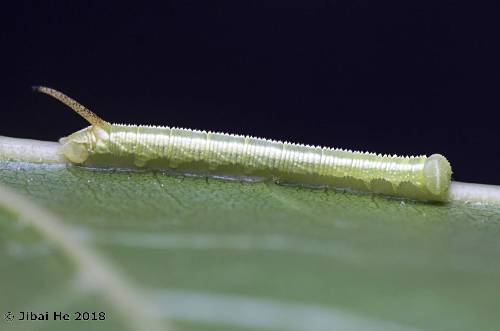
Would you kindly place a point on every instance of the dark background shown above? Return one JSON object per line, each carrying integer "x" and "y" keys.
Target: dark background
{"x": 400, "y": 78}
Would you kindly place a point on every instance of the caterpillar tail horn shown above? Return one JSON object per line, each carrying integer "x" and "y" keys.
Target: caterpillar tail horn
{"x": 81, "y": 110}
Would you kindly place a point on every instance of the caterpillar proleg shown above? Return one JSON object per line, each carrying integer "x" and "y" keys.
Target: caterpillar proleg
{"x": 103, "y": 144}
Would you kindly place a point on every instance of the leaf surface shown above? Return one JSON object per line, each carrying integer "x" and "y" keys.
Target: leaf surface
{"x": 209, "y": 254}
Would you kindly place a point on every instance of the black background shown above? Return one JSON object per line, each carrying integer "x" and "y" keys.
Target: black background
{"x": 398, "y": 78}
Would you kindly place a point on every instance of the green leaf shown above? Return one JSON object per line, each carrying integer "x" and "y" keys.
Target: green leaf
{"x": 195, "y": 253}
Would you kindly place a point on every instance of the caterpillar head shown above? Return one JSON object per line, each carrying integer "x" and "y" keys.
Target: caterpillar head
{"x": 437, "y": 174}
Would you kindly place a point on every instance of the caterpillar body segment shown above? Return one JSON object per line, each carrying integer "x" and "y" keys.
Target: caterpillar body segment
{"x": 115, "y": 145}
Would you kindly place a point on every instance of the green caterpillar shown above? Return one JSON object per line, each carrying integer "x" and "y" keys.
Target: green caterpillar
{"x": 103, "y": 144}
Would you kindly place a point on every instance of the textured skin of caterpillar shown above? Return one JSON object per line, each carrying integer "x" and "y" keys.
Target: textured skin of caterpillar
{"x": 115, "y": 145}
